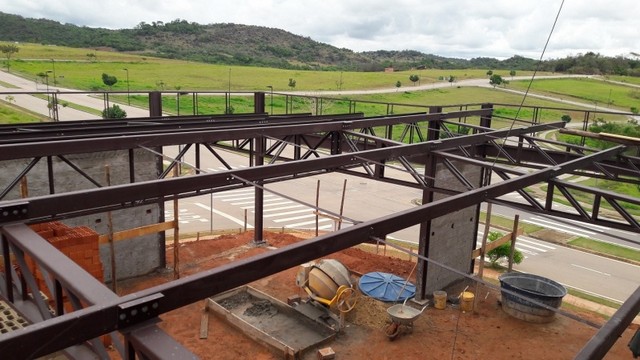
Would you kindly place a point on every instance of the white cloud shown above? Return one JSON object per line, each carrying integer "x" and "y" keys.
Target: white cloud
{"x": 457, "y": 28}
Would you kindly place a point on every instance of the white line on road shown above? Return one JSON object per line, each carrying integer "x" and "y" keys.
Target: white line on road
{"x": 309, "y": 223}
{"x": 536, "y": 243}
{"x": 282, "y": 207}
{"x": 251, "y": 202}
{"x": 590, "y": 269}
{"x": 224, "y": 215}
{"x": 287, "y": 213}
{"x": 234, "y": 193}
{"x": 267, "y": 205}
{"x": 563, "y": 226}
{"x": 294, "y": 218}
{"x": 582, "y": 233}
{"x": 520, "y": 245}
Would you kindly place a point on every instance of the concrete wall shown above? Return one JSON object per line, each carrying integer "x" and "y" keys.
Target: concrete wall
{"x": 133, "y": 257}
{"x": 452, "y": 237}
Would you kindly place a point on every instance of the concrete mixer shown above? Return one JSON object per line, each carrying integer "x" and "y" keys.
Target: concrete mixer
{"x": 328, "y": 283}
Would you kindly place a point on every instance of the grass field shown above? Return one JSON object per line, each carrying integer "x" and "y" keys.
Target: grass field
{"x": 10, "y": 114}
{"x": 74, "y": 69}
{"x": 606, "y": 248}
{"x": 599, "y": 93}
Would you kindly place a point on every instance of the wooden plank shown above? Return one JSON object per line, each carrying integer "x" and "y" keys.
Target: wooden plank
{"x": 494, "y": 244}
{"x": 139, "y": 231}
{"x": 204, "y": 326}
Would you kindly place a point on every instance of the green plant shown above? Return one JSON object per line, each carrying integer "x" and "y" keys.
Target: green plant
{"x": 109, "y": 80}
{"x": 503, "y": 251}
{"x": 565, "y": 118}
{"x": 414, "y": 79}
{"x": 114, "y": 112}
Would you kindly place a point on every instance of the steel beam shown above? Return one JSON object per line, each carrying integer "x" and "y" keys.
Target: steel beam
{"x": 95, "y": 320}
{"x": 611, "y": 331}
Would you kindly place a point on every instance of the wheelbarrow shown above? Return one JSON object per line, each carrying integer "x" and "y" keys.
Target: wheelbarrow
{"x": 402, "y": 316}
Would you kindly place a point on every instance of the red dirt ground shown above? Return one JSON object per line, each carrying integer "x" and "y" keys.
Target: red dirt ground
{"x": 486, "y": 333}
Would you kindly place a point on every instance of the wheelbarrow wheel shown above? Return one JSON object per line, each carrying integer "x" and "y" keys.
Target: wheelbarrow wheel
{"x": 392, "y": 330}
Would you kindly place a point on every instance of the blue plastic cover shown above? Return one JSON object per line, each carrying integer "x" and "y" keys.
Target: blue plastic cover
{"x": 386, "y": 287}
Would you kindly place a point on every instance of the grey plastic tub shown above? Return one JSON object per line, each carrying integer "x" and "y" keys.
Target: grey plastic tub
{"x": 534, "y": 287}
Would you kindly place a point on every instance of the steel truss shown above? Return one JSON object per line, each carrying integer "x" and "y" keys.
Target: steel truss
{"x": 352, "y": 144}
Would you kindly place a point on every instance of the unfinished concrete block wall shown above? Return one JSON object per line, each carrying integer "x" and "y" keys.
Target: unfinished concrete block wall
{"x": 134, "y": 257}
{"x": 452, "y": 237}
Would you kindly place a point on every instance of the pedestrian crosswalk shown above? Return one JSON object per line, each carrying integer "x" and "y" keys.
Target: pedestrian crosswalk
{"x": 276, "y": 209}
{"x": 572, "y": 227}
{"x": 526, "y": 245}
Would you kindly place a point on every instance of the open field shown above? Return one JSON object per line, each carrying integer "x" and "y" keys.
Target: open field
{"x": 599, "y": 93}
{"x": 74, "y": 69}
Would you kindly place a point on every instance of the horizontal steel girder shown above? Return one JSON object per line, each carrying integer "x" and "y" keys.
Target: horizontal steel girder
{"x": 89, "y": 322}
{"x": 128, "y": 195}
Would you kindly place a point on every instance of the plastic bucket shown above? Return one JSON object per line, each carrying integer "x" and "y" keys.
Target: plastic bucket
{"x": 466, "y": 303}
{"x": 440, "y": 299}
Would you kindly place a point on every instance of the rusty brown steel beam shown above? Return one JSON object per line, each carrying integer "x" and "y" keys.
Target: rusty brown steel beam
{"x": 128, "y": 195}
{"x": 106, "y": 317}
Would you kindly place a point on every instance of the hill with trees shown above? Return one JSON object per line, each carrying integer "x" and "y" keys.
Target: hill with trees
{"x": 235, "y": 44}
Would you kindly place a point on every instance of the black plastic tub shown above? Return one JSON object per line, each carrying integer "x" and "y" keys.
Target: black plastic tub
{"x": 534, "y": 287}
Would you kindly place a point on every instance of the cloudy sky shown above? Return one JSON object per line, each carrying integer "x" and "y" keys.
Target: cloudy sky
{"x": 452, "y": 28}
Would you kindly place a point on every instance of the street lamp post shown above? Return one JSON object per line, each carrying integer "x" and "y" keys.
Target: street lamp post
{"x": 271, "y": 88}
{"x": 46, "y": 79}
{"x": 228, "y": 105}
{"x": 53, "y": 64}
{"x": 128, "y": 91}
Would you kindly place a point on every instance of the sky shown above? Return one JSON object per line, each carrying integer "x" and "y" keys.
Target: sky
{"x": 451, "y": 28}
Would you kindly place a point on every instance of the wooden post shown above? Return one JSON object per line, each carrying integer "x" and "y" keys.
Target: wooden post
{"x": 176, "y": 233}
{"x": 514, "y": 236}
{"x": 485, "y": 235}
{"x": 344, "y": 190}
{"x": 244, "y": 227}
{"x": 112, "y": 249}
{"x": 317, "y": 207}
{"x": 24, "y": 188}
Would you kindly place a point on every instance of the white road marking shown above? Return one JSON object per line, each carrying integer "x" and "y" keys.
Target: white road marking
{"x": 577, "y": 233}
{"x": 263, "y": 201}
{"x": 562, "y": 225}
{"x": 590, "y": 269}
{"x": 224, "y": 215}
{"x": 307, "y": 223}
{"x": 282, "y": 207}
{"x": 536, "y": 243}
{"x": 267, "y": 205}
{"x": 287, "y": 213}
{"x": 294, "y": 218}
{"x": 234, "y": 193}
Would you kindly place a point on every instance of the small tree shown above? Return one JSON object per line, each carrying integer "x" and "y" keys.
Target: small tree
{"x": 114, "y": 112}
{"x": 109, "y": 80}
{"x": 503, "y": 251}
{"x": 414, "y": 79}
{"x": 398, "y": 85}
{"x": 512, "y": 73}
{"x": 451, "y": 79}
{"x": 8, "y": 50}
{"x": 92, "y": 57}
{"x": 495, "y": 80}
{"x": 489, "y": 72}
{"x": 292, "y": 83}
{"x": 565, "y": 118}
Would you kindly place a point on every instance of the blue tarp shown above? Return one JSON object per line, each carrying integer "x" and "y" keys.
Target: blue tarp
{"x": 386, "y": 287}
